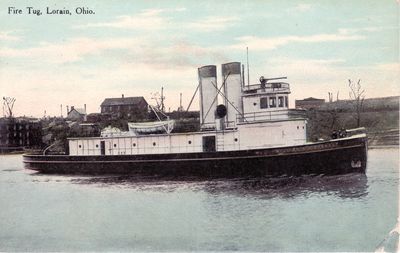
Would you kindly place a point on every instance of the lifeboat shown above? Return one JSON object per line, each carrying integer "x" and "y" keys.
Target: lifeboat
{"x": 138, "y": 128}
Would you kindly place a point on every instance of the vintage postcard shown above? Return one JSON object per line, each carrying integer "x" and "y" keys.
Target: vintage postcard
{"x": 199, "y": 125}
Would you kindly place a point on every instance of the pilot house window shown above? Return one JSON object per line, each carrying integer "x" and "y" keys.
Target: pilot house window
{"x": 263, "y": 103}
{"x": 280, "y": 101}
{"x": 272, "y": 102}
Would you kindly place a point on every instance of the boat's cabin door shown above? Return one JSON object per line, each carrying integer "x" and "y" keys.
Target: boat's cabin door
{"x": 102, "y": 147}
{"x": 208, "y": 143}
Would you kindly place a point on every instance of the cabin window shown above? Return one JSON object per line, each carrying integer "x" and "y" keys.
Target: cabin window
{"x": 263, "y": 103}
{"x": 272, "y": 102}
{"x": 286, "y": 102}
{"x": 280, "y": 101}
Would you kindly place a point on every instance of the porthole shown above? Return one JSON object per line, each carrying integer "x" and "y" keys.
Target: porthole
{"x": 134, "y": 144}
{"x": 303, "y": 127}
{"x": 115, "y": 145}
{"x": 190, "y": 142}
{"x": 154, "y": 143}
{"x": 97, "y": 145}
{"x": 80, "y": 146}
{"x": 236, "y": 139}
{"x": 254, "y": 104}
{"x": 297, "y": 127}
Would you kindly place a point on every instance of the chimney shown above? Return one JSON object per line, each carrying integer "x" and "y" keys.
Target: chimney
{"x": 208, "y": 95}
{"x": 122, "y": 95}
{"x": 231, "y": 73}
{"x": 84, "y": 107}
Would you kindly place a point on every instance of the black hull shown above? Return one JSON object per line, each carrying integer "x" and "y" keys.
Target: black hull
{"x": 332, "y": 157}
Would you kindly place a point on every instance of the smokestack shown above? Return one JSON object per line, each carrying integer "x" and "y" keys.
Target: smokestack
{"x": 122, "y": 95}
{"x": 180, "y": 102}
{"x": 208, "y": 95}
{"x": 231, "y": 73}
{"x": 84, "y": 107}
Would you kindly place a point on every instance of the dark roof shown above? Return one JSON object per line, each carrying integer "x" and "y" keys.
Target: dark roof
{"x": 123, "y": 101}
{"x": 311, "y": 99}
{"x": 81, "y": 111}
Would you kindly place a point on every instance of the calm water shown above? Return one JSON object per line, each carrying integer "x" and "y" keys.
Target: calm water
{"x": 74, "y": 213}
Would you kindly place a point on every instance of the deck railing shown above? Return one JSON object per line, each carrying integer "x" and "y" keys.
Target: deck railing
{"x": 268, "y": 87}
{"x": 270, "y": 115}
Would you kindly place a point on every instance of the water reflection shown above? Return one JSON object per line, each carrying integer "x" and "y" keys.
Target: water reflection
{"x": 343, "y": 186}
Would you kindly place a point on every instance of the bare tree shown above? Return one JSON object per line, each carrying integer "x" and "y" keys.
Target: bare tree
{"x": 357, "y": 95}
{"x": 8, "y": 105}
{"x": 159, "y": 98}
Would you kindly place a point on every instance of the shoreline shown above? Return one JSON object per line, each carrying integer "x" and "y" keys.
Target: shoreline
{"x": 384, "y": 147}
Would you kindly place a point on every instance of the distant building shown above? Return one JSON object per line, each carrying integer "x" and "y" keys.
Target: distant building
{"x": 77, "y": 114}
{"x": 125, "y": 107}
{"x": 18, "y": 133}
{"x": 309, "y": 103}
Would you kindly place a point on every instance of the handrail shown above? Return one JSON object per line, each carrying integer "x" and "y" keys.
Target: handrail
{"x": 275, "y": 85}
{"x": 268, "y": 115}
{"x": 44, "y": 151}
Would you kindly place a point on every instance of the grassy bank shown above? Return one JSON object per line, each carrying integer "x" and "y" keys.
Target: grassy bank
{"x": 382, "y": 125}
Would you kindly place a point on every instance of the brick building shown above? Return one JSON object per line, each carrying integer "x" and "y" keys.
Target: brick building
{"x": 309, "y": 103}
{"x": 125, "y": 107}
{"x": 18, "y": 133}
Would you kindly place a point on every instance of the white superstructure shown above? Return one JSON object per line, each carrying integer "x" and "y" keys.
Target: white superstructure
{"x": 257, "y": 116}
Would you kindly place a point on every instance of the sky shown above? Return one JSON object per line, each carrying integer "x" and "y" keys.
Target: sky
{"x": 136, "y": 47}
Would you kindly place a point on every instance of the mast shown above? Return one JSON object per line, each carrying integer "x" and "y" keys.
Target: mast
{"x": 162, "y": 99}
{"x": 243, "y": 84}
{"x": 180, "y": 102}
{"x": 248, "y": 71}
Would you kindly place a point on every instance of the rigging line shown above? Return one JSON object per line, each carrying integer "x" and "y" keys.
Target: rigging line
{"x": 241, "y": 114}
{"x": 193, "y": 97}
{"x": 218, "y": 91}
{"x": 158, "y": 118}
{"x": 159, "y": 111}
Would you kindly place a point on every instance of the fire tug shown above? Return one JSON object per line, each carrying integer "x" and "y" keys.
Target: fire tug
{"x": 251, "y": 132}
